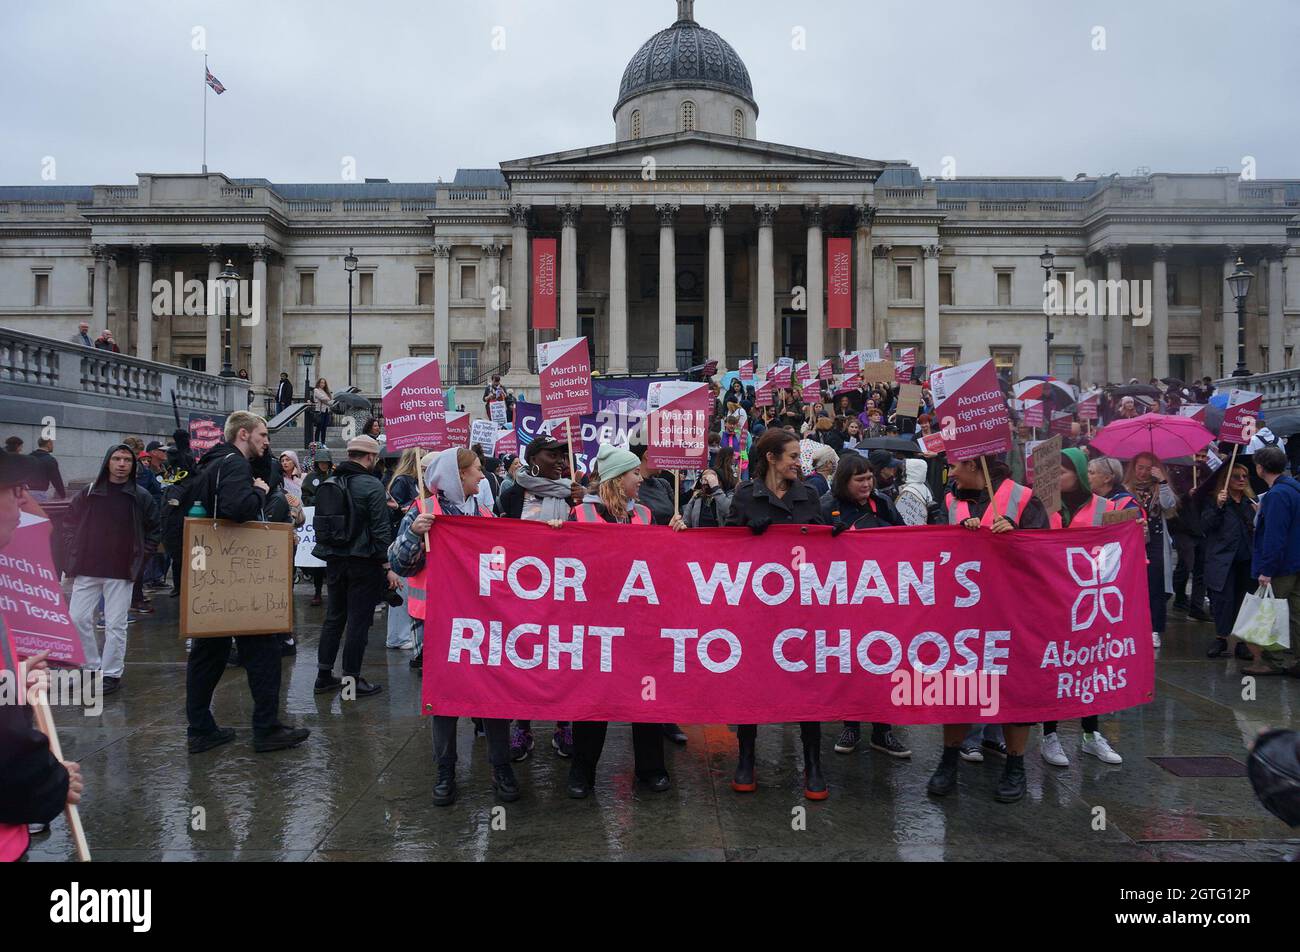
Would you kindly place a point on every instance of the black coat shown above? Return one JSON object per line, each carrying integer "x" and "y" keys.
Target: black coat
{"x": 372, "y": 529}
{"x": 861, "y": 517}
{"x": 228, "y": 491}
{"x": 1225, "y": 530}
{"x": 754, "y": 506}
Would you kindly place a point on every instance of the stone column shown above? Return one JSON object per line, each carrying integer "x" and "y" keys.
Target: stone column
{"x": 766, "y": 289}
{"x": 1228, "y": 327}
{"x": 441, "y": 311}
{"x": 1114, "y": 322}
{"x": 1096, "y": 349}
{"x": 880, "y": 294}
{"x": 492, "y": 305}
{"x": 100, "y": 308}
{"x": 212, "y": 308}
{"x": 717, "y": 316}
{"x": 145, "y": 256}
{"x": 864, "y": 321}
{"x": 816, "y": 277}
{"x": 569, "y": 270}
{"x": 1276, "y": 315}
{"x": 617, "y": 363}
{"x": 667, "y": 287}
{"x": 120, "y": 289}
{"x": 257, "y": 344}
{"x": 1160, "y": 312}
{"x": 521, "y": 264}
{"x": 931, "y": 302}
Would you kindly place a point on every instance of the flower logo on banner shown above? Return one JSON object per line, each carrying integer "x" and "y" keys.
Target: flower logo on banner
{"x": 1100, "y": 568}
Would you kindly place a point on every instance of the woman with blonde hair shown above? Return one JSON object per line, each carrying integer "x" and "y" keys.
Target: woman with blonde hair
{"x": 1228, "y": 512}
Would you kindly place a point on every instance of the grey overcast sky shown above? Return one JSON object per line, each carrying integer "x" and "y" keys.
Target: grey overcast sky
{"x": 414, "y": 89}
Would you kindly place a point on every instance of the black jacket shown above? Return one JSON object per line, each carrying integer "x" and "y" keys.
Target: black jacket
{"x": 50, "y": 477}
{"x": 1225, "y": 531}
{"x": 284, "y": 392}
{"x": 854, "y": 516}
{"x": 310, "y": 482}
{"x": 144, "y": 524}
{"x": 754, "y": 506}
{"x": 511, "y": 502}
{"x": 227, "y": 490}
{"x": 372, "y": 530}
{"x": 33, "y": 784}
{"x": 656, "y": 494}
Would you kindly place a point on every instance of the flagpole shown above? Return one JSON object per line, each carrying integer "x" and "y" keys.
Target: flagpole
{"x": 205, "y": 113}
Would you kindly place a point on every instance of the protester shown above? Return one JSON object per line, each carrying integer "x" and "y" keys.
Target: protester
{"x": 14, "y": 444}
{"x": 111, "y": 528}
{"x": 47, "y": 482}
{"x": 1145, "y": 479}
{"x": 321, "y": 401}
{"x": 105, "y": 342}
{"x": 356, "y": 570}
{"x": 321, "y": 468}
{"x": 1276, "y": 559}
{"x": 227, "y": 489}
{"x": 656, "y": 490}
{"x": 709, "y": 502}
{"x": 283, "y": 393}
{"x": 915, "y": 502}
{"x": 1228, "y": 522}
{"x": 82, "y": 336}
{"x": 775, "y": 494}
{"x": 824, "y": 462}
{"x": 889, "y": 471}
{"x": 1188, "y": 537}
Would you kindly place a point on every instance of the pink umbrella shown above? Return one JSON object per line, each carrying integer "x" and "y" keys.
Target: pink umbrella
{"x": 1167, "y": 437}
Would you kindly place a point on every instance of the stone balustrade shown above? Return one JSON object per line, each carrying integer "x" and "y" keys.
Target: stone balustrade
{"x": 1281, "y": 390}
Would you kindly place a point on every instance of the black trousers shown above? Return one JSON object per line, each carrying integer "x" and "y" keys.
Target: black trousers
{"x": 1226, "y": 603}
{"x": 1089, "y": 725}
{"x": 1156, "y": 588}
{"x": 444, "y": 740}
{"x": 355, "y": 587}
{"x": 1190, "y": 564}
{"x": 260, "y": 656}
{"x": 647, "y": 747}
{"x": 810, "y": 732}
{"x": 317, "y": 576}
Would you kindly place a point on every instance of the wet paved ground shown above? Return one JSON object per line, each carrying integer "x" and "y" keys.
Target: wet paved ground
{"x": 360, "y": 788}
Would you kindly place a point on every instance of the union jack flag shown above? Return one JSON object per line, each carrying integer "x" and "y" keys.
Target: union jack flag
{"x": 214, "y": 82}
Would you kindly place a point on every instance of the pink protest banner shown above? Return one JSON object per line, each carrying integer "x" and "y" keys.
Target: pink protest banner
{"x": 811, "y": 393}
{"x": 972, "y": 410}
{"x": 852, "y": 362}
{"x": 414, "y": 403}
{"x": 572, "y": 621}
{"x": 31, "y": 602}
{"x": 903, "y": 366}
{"x": 851, "y": 384}
{"x": 780, "y": 374}
{"x": 1034, "y": 411}
{"x": 457, "y": 431}
{"x": 1087, "y": 405}
{"x": 802, "y": 372}
{"x": 765, "y": 394}
{"x": 745, "y": 369}
{"x": 677, "y": 424}
{"x": 839, "y": 283}
{"x": 825, "y": 369}
{"x": 564, "y": 378}
{"x": 1241, "y": 416}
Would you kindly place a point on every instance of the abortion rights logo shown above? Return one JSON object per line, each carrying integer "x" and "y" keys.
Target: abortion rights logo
{"x": 1095, "y": 571}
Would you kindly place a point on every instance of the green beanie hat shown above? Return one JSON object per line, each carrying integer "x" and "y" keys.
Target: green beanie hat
{"x": 1079, "y": 460}
{"x": 612, "y": 462}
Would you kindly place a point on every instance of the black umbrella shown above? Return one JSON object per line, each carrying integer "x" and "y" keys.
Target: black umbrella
{"x": 1284, "y": 424}
{"x": 348, "y": 400}
{"x": 1134, "y": 390}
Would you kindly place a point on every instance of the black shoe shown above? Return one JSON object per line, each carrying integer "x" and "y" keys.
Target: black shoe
{"x": 1197, "y": 614}
{"x": 174, "y": 593}
{"x": 444, "y": 791}
{"x": 944, "y": 779}
{"x": 1012, "y": 785}
{"x": 657, "y": 781}
{"x": 111, "y": 686}
{"x": 1218, "y": 649}
{"x": 288, "y": 648}
{"x": 363, "y": 688}
{"x": 327, "y": 682}
{"x": 814, "y": 784}
{"x": 887, "y": 743}
{"x": 201, "y": 742}
{"x": 850, "y": 736}
{"x": 1179, "y": 605}
{"x": 504, "y": 784}
{"x": 994, "y": 747}
{"x": 579, "y": 786}
{"x": 479, "y": 729}
{"x": 1294, "y": 670}
{"x": 743, "y": 781}
{"x": 417, "y": 662}
{"x": 281, "y": 738}
{"x": 674, "y": 733}
{"x": 1243, "y": 653}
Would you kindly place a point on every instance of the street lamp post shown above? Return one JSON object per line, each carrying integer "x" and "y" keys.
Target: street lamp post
{"x": 1239, "y": 285}
{"x": 1078, "y": 357}
{"x": 350, "y": 266}
{"x": 309, "y": 415}
{"x": 1047, "y": 259}
{"x": 229, "y": 278}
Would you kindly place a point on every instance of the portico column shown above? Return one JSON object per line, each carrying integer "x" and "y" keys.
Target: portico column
{"x": 932, "y": 303}
{"x": 101, "y": 291}
{"x": 521, "y": 263}
{"x": 1160, "y": 312}
{"x": 1228, "y": 327}
{"x": 212, "y": 309}
{"x": 1096, "y": 333}
{"x": 717, "y": 317}
{"x": 492, "y": 305}
{"x": 667, "y": 288}
{"x": 864, "y": 320}
{"x": 880, "y": 294}
{"x": 816, "y": 347}
{"x": 617, "y": 363}
{"x": 766, "y": 288}
{"x": 257, "y": 346}
{"x": 1276, "y": 318}
{"x": 1114, "y": 322}
{"x": 441, "y": 312}
{"x": 569, "y": 270}
{"x": 144, "y": 302}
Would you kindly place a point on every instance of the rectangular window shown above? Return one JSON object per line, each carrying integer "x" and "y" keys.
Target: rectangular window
{"x": 424, "y": 289}
{"x": 1180, "y": 365}
{"x": 299, "y": 375}
{"x": 306, "y": 288}
{"x": 366, "y": 290}
{"x": 422, "y": 351}
{"x": 468, "y": 282}
{"x": 904, "y": 282}
{"x": 90, "y": 287}
{"x": 42, "y": 298}
{"x": 582, "y": 272}
{"x": 1005, "y": 360}
{"x": 1062, "y": 364}
{"x": 197, "y": 362}
{"x": 1004, "y": 288}
{"x": 945, "y": 288}
{"x": 466, "y": 365}
{"x": 1171, "y": 289}
{"x": 949, "y": 356}
{"x": 365, "y": 369}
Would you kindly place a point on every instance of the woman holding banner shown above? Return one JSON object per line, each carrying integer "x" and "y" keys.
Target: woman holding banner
{"x": 615, "y": 501}
{"x": 1009, "y": 507}
{"x": 454, "y": 476}
{"x": 775, "y": 495}
{"x": 1145, "y": 479}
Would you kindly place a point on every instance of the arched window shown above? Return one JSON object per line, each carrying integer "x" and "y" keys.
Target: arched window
{"x": 738, "y": 123}
{"x": 688, "y": 116}
{"x": 636, "y": 123}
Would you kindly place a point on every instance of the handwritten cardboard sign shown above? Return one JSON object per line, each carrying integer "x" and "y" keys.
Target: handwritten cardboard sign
{"x": 1047, "y": 473}
{"x": 238, "y": 578}
{"x": 909, "y": 400}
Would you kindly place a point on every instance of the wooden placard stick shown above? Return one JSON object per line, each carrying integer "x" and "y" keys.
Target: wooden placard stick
{"x": 988, "y": 486}
{"x": 419, "y": 482}
{"x": 45, "y": 722}
{"x": 677, "y": 492}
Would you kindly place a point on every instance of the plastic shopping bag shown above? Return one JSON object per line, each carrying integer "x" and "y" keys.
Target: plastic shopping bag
{"x": 1264, "y": 620}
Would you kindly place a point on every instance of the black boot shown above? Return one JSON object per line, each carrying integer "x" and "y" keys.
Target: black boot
{"x": 504, "y": 784}
{"x": 814, "y": 784}
{"x": 944, "y": 779}
{"x": 1012, "y": 785}
{"x": 743, "y": 781}
{"x": 1218, "y": 649}
{"x": 444, "y": 791}
{"x": 580, "y": 784}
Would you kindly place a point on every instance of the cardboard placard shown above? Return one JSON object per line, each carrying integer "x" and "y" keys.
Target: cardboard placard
{"x": 237, "y": 578}
{"x": 1047, "y": 473}
{"x": 878, "y": 371}
{"x": 305, "y": 540}
{"x": 1132, "y": 514}
{"x": 909, "y": 400}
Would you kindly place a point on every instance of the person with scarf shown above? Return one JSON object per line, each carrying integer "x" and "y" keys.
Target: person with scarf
{"x": 1145, "y": 479}
{"x": 1080, "y": 508}
{"x": 1228, "y": 510}
{"x": 453, "y": 476}
{"x": 615, "y": 502}
{"x": 291, "y": 473}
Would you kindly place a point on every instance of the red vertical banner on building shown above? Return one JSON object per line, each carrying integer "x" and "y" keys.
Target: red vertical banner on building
{"x": 544, "y": 271}
{"x": 839, "y": 283}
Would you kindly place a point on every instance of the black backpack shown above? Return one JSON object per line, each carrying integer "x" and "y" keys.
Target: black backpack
{"x": 333, "y": 521}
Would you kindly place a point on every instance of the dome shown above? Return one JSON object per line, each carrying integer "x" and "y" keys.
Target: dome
{"x": 686, "y": 55}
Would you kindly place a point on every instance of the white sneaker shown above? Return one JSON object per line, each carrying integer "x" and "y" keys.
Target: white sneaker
{"x": 1155, "y": 639}
{"x": 1100, "y": 749}
{"x": 1052, "y": 752}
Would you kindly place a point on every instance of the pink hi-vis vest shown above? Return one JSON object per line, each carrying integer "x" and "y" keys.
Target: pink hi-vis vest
{"x": 1009, "y": 498}
{"x": 13, "y": 836}
{"x": 418, "y": 584}
{"x": 1089, "y": 515}
{"x": 587, "y": 513}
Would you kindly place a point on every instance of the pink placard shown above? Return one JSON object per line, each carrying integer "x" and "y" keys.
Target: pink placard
{"x": 414, "y": 403}
{"x": 1241, "y": 416}
{"x": 564, "y": 378}
{"x": 31, "y": 601}
{"x": 972, "y": 410}
{"x": 677, "y": 425}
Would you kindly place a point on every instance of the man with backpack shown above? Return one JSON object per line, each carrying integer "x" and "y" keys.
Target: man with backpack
{"x": 353, "y": 531}
{"x": 226, "y": 489}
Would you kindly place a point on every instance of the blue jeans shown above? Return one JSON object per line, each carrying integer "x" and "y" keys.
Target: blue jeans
{"x": 980, "y": 732}
{"x": 399, "y": 620}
